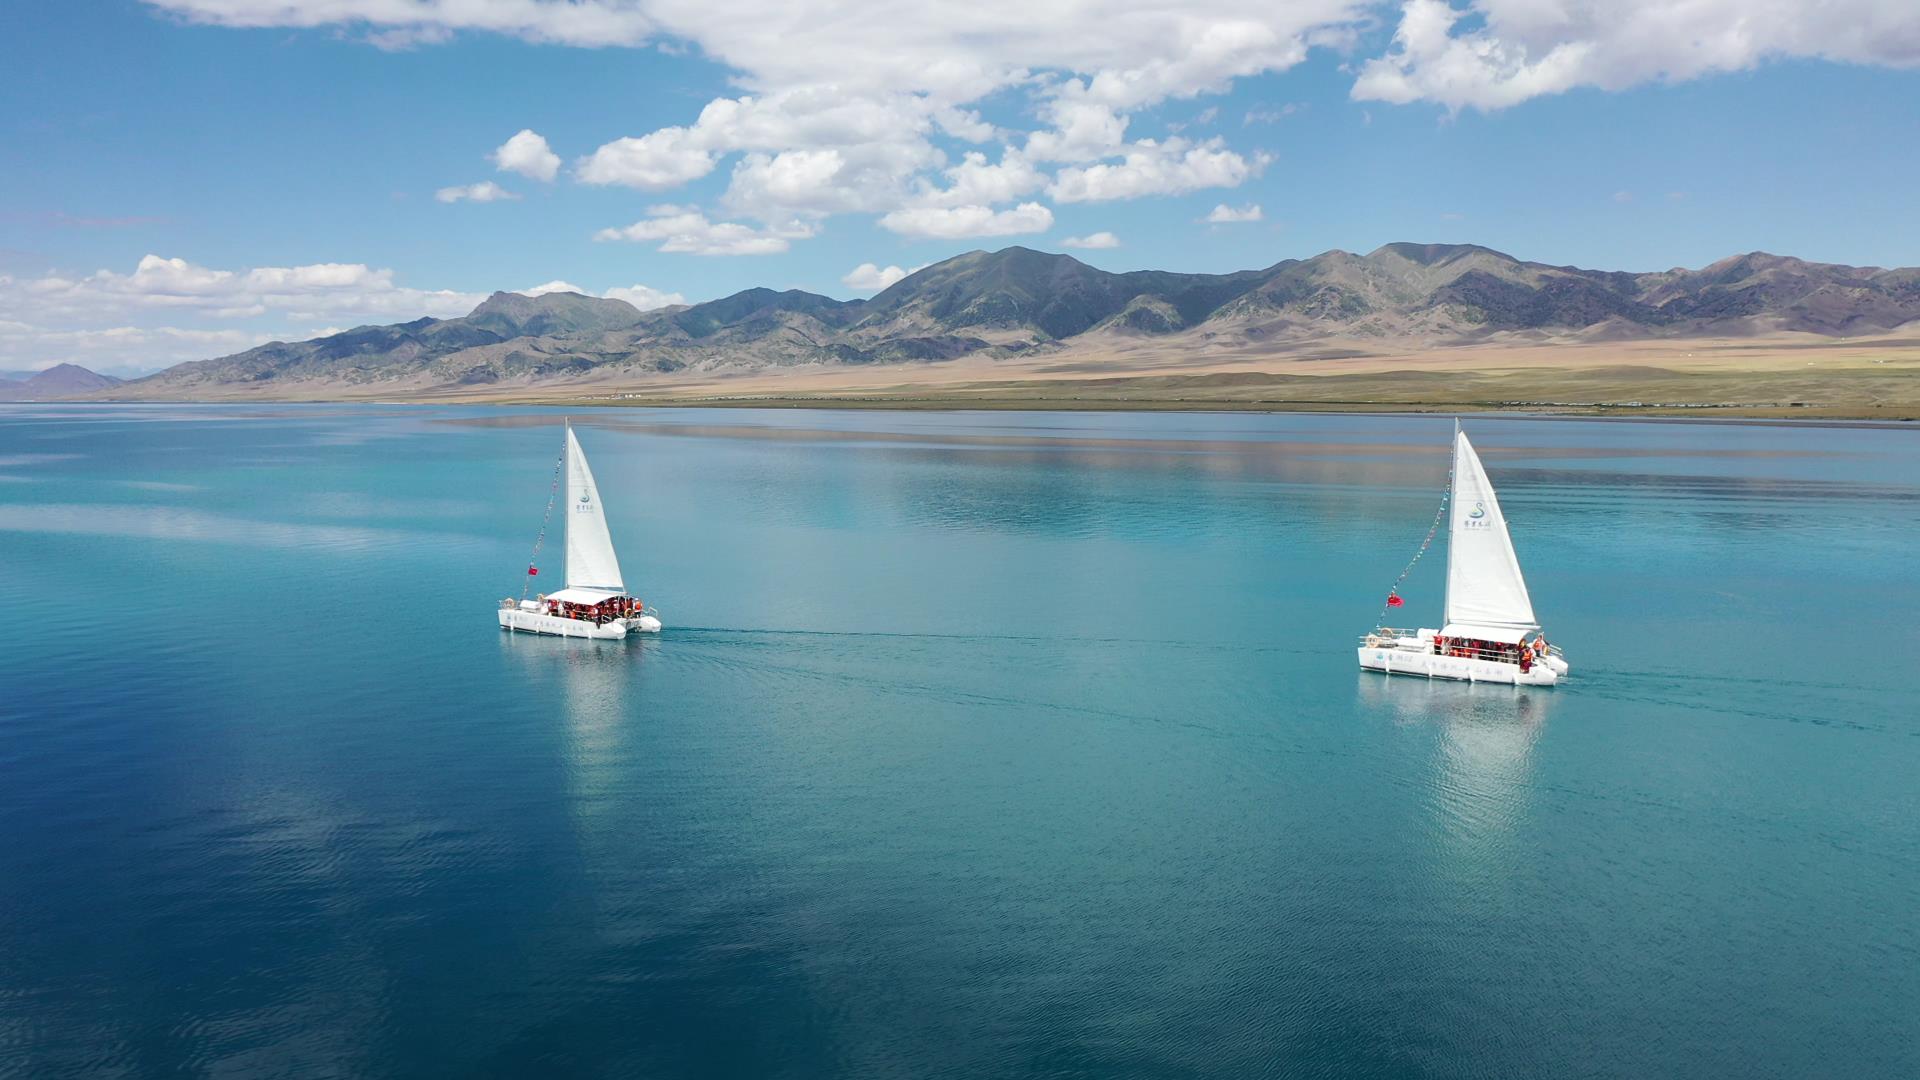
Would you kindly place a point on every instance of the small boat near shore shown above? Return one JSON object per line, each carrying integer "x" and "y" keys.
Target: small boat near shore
{"x": 1489, "y": 633}
{"x": 594, "y": 603}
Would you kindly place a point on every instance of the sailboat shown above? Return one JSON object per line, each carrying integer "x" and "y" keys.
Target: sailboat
{"x": 594, "y": 603}
{"x": 1489, "y": 632}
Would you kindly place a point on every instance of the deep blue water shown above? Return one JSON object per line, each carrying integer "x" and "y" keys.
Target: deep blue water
{"x": 996, "y": 745}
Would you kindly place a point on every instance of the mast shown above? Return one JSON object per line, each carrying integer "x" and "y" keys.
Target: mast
{"x": 1453, "y": 471}
{"x": 566, "y": 529}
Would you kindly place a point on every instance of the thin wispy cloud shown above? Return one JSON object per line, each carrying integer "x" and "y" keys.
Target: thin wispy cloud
{"x": 485, "y": 191}
{"x": 1271, "y": 114}
{"x": 682, "y": 230}
{"x": 1230, "y": 215}
{"x": 1092, "y": 241}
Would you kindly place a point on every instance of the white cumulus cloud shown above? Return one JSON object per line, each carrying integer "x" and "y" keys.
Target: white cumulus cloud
{"x": 853, "y": 106}
{"x": 1126, "y": 55}
{"x": 484, "y": 191}
{"x": 130, "y": 322}
{"x": 409, "y": 23}
{"x": 846, "y": 103}
{"x": 687, "y": 231}
{"x": 1512, "y": 50}
{"x": 1157, "y": 168}
{"x": 868, "y": 277}
{"x": 553, "y": 287}
{"x": 528, "y": 154}
{"x": 975, "y": 181}
{"x": 958, "y": 222}
{"x": 298, "y": 292}
{"x": 125, "y": 351}
{"x": 664, "y": 159}
{"x": 1080, "y": 130}
{"x": 645, "y": 297}
{"x": 1092, "y": 241}
{"x": 1227, "y": 215}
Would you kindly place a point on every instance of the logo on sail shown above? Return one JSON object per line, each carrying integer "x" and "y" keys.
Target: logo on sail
{"x": 586, "y": 504}
{"x": 1477, "y": 517}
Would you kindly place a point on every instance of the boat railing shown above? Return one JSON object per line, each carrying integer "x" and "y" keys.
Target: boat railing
{"x": 1388, "y": 637}
{"x": 1499, "y": 654}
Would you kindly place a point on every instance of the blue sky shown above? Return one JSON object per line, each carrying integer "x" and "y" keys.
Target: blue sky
{"x": 276, "y": 162}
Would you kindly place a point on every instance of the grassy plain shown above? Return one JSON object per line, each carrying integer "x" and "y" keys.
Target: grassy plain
{"x": 1788, "y": 375}
{"x": 1798, "y": 376}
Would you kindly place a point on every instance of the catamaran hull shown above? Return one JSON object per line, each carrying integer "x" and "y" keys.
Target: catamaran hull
{"x": 1433, "y": 666}
{"x": 533, "y": 622}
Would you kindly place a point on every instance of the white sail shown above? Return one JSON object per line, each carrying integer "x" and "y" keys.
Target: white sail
{"x": 591, "y": 563}
{"x": 1484, "y": 586}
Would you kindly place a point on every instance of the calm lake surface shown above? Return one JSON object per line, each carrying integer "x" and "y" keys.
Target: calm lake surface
{"x": 978, "y": 745}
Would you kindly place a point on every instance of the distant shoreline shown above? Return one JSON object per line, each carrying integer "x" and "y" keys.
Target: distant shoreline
{"x": 1727, "y": 416}
{"x": 1781, "y": 378}
{"x": 1809, "y": 414}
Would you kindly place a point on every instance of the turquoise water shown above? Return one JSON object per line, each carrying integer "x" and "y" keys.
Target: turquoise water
{"x": 978, "y": 744}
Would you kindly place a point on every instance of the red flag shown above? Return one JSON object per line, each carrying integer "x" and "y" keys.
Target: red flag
{"x": 1393, "y": 600}
{"x": 533, "y": 571}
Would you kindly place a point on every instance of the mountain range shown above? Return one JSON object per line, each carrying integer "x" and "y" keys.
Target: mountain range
{"x": 56, "y": 382}
{"x": 1018, "y": 302}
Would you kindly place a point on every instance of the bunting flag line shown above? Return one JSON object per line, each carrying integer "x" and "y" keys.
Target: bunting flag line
{"x": 553, "y": 494}
{"x": 1393, "y": 594}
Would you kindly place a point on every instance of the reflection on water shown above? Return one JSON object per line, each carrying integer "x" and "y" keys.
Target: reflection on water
{"x": 1481, "y": 782}
{"x": 978, "y": 745}
{"x": 172, "y": 524}
{"x": 594, "y": 684}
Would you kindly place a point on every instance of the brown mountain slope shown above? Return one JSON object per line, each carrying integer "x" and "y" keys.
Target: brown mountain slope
{"x": 1018, "y": 303}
